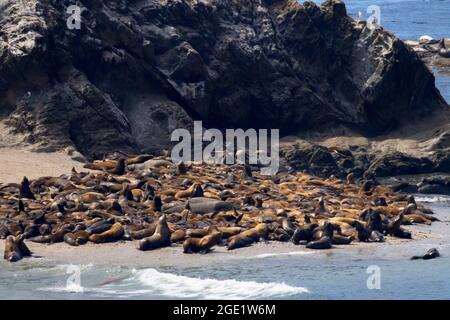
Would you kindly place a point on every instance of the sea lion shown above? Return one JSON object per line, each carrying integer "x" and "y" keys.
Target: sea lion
{"x": 151, "y": 164}
{"x": 375, "y": 221}
{"x": 320, "y": 208}
{"x": 119, "y": 169}
{"x": 324, "y": 230}
{"x": 194, "y": 191}
{"x": 204, "y": 245}
{"x": 143, "y": 233}
{"x": 237, "y": 242}
{"x": 341, "y": 240}
{"x": 196, "y": 233}
{"x": 4, "y": 232}
{"x": 443, "y": 51}
{"x": 363, "y": 232}
{"x": 113, "y": 234}
{"x": 417, "y": 218}
{"x": 138, "y": 159}
{"x": 157, "y": 204}
{"x": 70, "y": 239}
{"x": 161, "y": 237}
{"x": 99, "y": 226}
{"x": 351, "y": 178}
{"x": 25, "y": 191}
{"x": 303, "y": 233}
{"x": 376, "y": 236}
{"x": 57, "y": 236}
{"x": 181, "y": 168}
{"x": 322, "y": 243}
{"x": 431, "y": 254}
{"x": 228, "y": 232}
{"x": 248, "y": 237}
{"x": 177, "y": 236}
{"x": 247, "y": 172}
{"x": 31, "y": 230}
{"x": 394, "y": 228}
{"x": 200, "y": 205}
{"x": 15, "y": 248}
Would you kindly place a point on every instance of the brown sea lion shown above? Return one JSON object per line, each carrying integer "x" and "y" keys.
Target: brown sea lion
{"x": 56, "y": 237}
{"x": 204, "y": 245}
{"x": 119, "y": 169}
{"x": 138, "y": 159}
{"x": 178, "y": 235}
{"x": 113, "y": 234}
{"x": 303, "y": 233}
{"x": 194, "y": 190}
{"x": 351, "y": 178}
{"x": 15, "y": 248}
{"x": 248, "y": 237}
{"x": 181, "y": 168}
{"x": 70, "y": 239}
{"x": 228, "y": 232}
{"x": 196, "y": 233}
{"x": 161, "y": 237}
{"x": 101, "y": 165}
{"x": 143, "y": 233}
{"x": 4, "y": 232}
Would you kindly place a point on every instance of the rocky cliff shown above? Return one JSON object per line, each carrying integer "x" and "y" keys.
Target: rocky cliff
{"x": 137, "y": 69}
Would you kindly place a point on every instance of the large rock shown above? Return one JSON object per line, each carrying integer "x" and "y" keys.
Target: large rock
{"x": 138, "y": 69}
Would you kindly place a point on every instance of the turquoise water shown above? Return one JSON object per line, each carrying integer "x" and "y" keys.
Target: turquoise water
{"x": 335, "y": 274}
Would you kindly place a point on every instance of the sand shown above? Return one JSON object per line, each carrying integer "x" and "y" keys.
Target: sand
{"x": 15, "y": 163}
{"x": 124, "y": 253}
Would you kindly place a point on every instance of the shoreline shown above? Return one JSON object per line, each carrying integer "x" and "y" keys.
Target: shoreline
{"x": 125, "y": 254}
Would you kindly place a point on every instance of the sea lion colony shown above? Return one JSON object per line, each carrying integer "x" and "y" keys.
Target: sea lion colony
{"x": 198, "y": 205}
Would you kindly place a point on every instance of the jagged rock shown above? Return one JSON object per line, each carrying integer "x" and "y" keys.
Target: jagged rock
{"x": 397, "y": 163}
{"x": 134, "y": 65}
{"x": 312, "y": 158}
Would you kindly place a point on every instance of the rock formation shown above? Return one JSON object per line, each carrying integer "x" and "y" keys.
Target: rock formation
{"x": 138, "y": 69}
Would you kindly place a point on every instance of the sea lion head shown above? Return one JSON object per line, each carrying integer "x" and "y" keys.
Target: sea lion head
{"x": 157, "y": 204}
{"x": 197, "y": 191}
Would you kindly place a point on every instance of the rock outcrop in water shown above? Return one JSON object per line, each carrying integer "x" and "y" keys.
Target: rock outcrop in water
{"x": 138, "y": 69}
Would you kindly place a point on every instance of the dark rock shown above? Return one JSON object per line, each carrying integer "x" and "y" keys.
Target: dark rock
{"x": 434, "y": 185}
{"x": 441, "y": 160}
{"x": 136, "y": 70}
{"x": 399, "y": 164}
{"x": 313, "y": 158}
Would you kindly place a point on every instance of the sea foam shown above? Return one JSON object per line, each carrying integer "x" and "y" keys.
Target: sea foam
{"x": 178, "y": 286}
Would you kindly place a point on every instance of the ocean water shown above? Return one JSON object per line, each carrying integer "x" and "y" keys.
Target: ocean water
{"x": 335, "y": 274}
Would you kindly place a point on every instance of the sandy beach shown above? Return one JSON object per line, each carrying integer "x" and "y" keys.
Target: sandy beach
{"x": 124, "y": 253}
{"x": 19, "y": 162}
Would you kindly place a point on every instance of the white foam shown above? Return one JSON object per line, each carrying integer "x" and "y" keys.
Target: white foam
{"x": 432, "y": 198}
{"x": 270, "y": 255}
{"x": 172, "y": 285}
{"x": 71, "y": 288}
